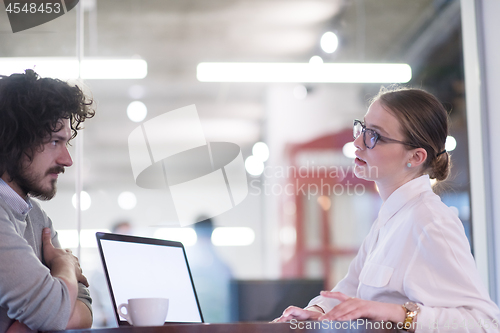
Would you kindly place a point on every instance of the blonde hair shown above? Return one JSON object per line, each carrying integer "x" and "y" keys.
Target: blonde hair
{"x": 424, "y": 123}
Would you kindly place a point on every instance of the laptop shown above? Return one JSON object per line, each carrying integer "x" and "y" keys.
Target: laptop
{"x": 138, "y": 267}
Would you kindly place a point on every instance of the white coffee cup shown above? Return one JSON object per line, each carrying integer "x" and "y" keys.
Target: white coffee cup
{"x": 145, "y": 311}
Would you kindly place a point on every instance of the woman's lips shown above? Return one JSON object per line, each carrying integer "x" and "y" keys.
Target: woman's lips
{"x": 359, "y": 162}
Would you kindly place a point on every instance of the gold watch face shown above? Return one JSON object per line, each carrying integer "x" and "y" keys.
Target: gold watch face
{"x": 410, "y": 306}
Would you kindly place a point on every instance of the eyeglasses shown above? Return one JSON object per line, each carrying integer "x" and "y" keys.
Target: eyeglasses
{"x": 370, "y": 137}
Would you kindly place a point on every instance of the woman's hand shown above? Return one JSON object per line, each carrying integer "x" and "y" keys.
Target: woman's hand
{"x": 293, "y": 312}
{"x": 354, "y": 308}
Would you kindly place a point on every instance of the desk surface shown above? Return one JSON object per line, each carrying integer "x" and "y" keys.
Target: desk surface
{"x": 260, "y": 327}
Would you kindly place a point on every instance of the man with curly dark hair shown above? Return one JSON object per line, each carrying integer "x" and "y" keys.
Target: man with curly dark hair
{"x": 41, "y": 285}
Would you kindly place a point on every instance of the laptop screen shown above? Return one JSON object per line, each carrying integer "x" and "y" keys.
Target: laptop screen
{"x": 138, "y": 267}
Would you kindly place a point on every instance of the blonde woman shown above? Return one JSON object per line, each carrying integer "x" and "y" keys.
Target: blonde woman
{"x": 414, "y": 268}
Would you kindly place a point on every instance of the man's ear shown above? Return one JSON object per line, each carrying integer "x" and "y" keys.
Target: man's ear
{"x": 418, "y": 157}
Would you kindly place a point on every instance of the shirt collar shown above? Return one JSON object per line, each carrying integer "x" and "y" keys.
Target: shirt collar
{"x": 401, "y": 196}
{"x": 18, "y": 204}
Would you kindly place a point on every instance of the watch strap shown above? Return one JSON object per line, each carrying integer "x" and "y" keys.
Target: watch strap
{"x": 409, "y": 319}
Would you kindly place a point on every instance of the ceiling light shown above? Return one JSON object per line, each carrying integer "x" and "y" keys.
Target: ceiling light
{"x": 260, "y": 151}
{"x": 66, "y": 68}
{"x": 254, "y": 166}
{"x": 303, "y": 72}
{"x": 127, "y": 200}
{"x": 85, "y": 200}
{"x": 349, "y": 149}
{"x": 329, "y": 42}
{"x": 235, "y": 236}
{"x": 137, "y": 111}
{"x": 316, "y": 60}
{"x": 450, "y": 144}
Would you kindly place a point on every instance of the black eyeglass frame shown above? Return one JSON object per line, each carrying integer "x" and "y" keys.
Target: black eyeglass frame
{"x": 376, "y": 136}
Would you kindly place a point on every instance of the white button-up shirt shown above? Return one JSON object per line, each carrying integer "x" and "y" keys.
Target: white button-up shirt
{"x": 417, "y": 251}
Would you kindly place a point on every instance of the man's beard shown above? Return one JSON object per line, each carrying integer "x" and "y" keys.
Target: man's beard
{"x": 30, "y": 184}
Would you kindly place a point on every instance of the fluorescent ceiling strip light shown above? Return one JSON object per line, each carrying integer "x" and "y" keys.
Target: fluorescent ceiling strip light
{"x": 303, "y": 72}
{"x": 67, "y": 68}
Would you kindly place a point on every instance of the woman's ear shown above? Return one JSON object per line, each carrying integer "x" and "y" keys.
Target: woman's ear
{"x": 418, "y": 157}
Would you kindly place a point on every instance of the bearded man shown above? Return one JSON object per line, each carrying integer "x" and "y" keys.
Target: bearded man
{"x": 41, "y": 285}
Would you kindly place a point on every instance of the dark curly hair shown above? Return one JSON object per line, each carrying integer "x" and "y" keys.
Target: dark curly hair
{"x": 30, "y": 110}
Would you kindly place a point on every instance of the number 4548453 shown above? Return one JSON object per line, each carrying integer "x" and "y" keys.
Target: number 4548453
{"x": 33, "y": 8}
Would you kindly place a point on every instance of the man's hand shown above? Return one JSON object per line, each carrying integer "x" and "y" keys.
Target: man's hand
{"x": 59, "y": 257}
{"x": 18, "y": 327}
{"x": 353, "y": 308}
{"x": 64, "y": 265}
{"x": 293, "y": 312}
{"x": 80, "y": 318}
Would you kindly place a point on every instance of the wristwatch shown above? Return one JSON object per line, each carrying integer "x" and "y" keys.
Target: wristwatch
{"x": 412, "y": 311}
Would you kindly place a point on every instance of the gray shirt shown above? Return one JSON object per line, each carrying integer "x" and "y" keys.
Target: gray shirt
{"x": 28, "y": 292}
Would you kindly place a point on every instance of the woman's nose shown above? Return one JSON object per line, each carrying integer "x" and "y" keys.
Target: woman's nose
{"x": 359, "y": 143}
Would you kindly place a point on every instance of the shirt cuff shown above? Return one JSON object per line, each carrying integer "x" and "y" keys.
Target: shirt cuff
{"x": 315, "y": 308}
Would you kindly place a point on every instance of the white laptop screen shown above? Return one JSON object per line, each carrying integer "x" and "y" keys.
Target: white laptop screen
{"x": 136, "y": 270}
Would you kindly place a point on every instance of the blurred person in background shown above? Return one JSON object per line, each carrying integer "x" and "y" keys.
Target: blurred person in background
{"x": 211, "y": 275}
{"x": 122, "y": 227}
{"x": 41, "y": 285}
{"x": 415, "y": 267}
